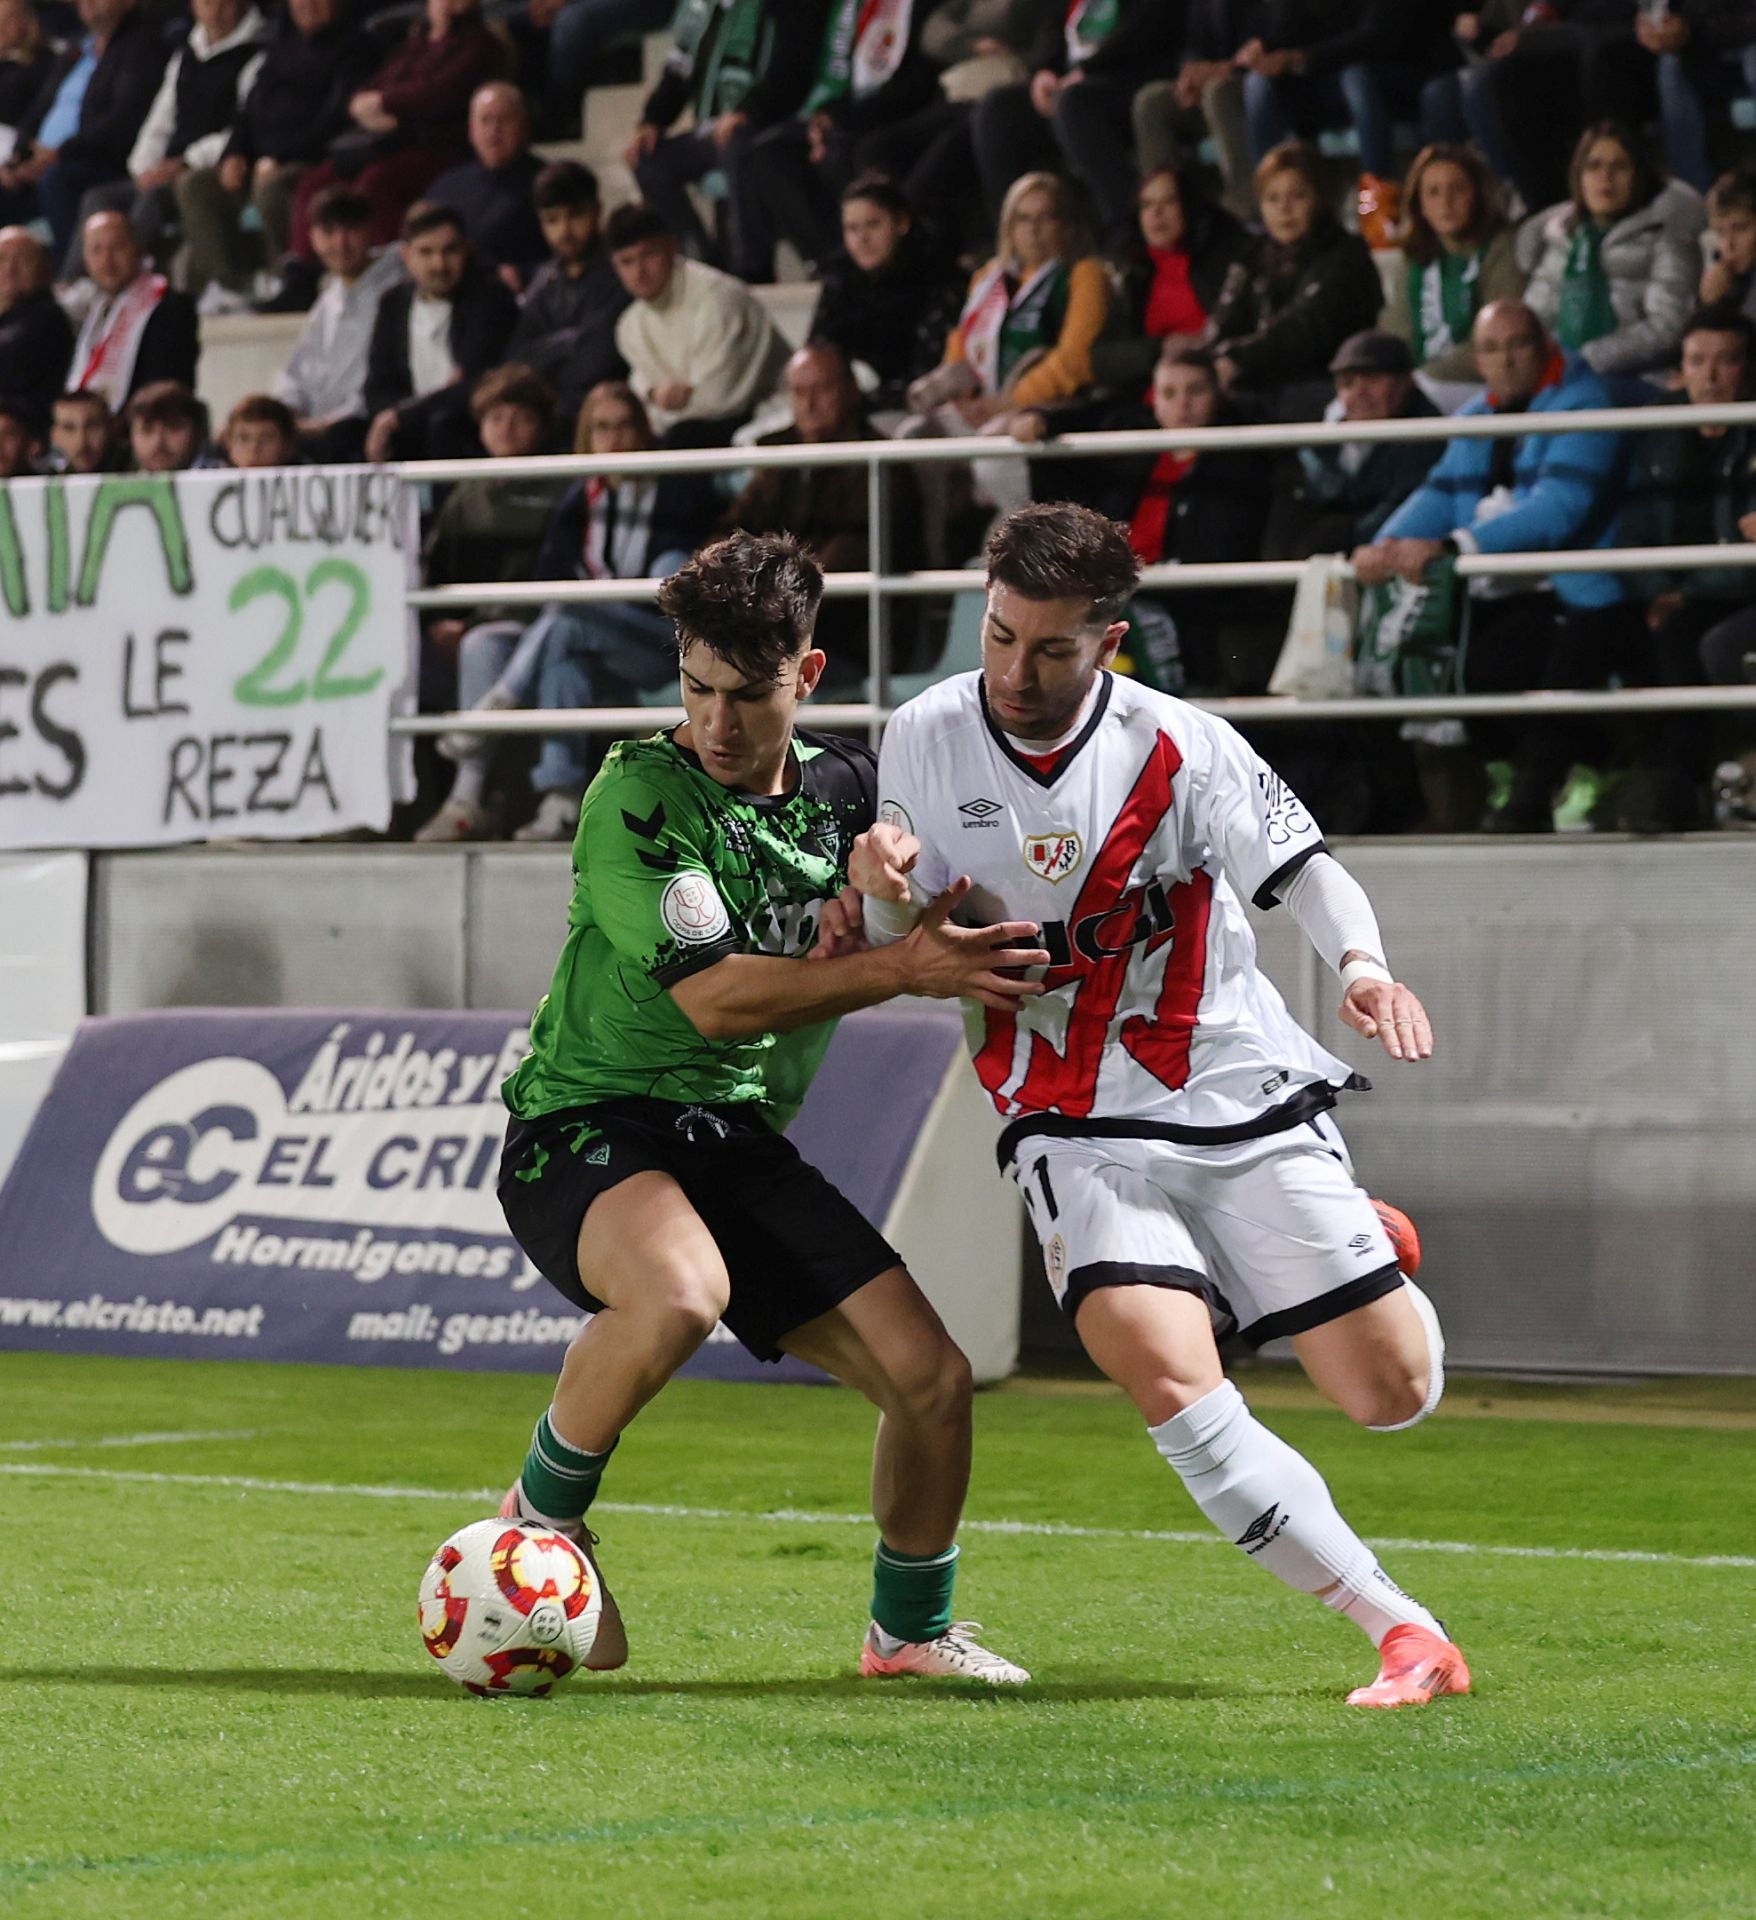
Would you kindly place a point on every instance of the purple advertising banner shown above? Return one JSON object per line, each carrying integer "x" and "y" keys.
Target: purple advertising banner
{"x": 320, "y": 1186}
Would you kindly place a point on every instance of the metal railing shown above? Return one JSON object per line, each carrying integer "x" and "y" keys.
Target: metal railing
{"x": 878, "y": 586}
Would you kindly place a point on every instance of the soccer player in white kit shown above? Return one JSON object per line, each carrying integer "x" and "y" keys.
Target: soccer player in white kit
{"x": 1167, "y": 1120}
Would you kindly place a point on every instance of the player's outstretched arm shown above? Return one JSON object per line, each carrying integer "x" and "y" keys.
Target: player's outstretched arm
{"x": 1384, "y": 1010}
{"x": 1332, "y": 908}
{"x": 747, "y": 994}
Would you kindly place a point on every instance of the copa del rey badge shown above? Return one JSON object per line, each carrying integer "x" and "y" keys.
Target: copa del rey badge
{"x": 1051, "y": 856}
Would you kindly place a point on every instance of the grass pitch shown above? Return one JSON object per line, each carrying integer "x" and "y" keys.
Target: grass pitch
{"x": 213, "y": 1699}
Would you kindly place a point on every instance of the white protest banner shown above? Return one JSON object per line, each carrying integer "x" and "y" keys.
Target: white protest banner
{"x": 201, "y": 655}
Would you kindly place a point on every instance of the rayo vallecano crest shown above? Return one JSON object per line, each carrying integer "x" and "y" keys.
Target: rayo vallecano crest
{"x": 1052, "y": 856}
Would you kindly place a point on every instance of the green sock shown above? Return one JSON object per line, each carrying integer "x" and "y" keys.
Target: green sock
{"x": 559, "y": 1481}
{"x": 911, "y": 1593}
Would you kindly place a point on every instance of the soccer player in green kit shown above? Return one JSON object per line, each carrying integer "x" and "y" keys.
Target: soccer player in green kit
{"x": 712, "y": 942}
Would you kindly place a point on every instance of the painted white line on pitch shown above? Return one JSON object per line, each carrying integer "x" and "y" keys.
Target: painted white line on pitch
{"x": 791, "y": 1516}
{"x": 129, "y": 1440}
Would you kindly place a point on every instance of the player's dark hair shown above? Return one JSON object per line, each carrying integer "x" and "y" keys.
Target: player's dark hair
{"x": 751, "y": 598}
{"x": 1054, "y": 551}
{"x": 565, "y": 183}
{"x": 629, "y": 226}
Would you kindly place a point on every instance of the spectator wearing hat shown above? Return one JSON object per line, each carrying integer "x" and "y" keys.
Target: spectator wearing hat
{"x": 1338, "y": 496}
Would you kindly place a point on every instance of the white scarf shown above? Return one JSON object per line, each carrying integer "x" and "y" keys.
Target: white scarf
{"x": 984, "y": 316}
{"x": 109, "y": 340}
{"x": 621, "y": 554}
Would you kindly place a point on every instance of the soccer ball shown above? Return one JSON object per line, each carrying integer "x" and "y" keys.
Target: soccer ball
{"x": 508, "y": 1607}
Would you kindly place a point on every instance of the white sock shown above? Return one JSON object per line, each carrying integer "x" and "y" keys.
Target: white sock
{"x": 1429, "y": 1319}
{"x": 468, "y": 781}
{"x": 1272, "y": 1503}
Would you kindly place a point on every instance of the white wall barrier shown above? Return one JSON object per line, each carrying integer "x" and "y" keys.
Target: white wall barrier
{"x": 42, "y": 980}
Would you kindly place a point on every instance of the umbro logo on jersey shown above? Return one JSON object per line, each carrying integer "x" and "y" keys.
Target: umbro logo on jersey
{"x": 1052, "y": 856}
{"x": 980, "y": 813}
{"x": 1361, "y": 1243}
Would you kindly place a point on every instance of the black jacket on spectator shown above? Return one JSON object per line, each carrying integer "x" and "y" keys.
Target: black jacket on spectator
{"x": 20, "y": 82}
{"x": 1718, "y": 26}
{"x": 483, "y": 313}
{"x": 1216, "y": 29}
{"x": 1285, "y": 310}
{"x": 567, "y": 329}
{"x": 1686, "y": 489}
{"x": 1144, "y": 44}
{"x": 1218, "y": 511}
{"x": 36, "y": 343}
{"x": 683, "y": 513}
{"x": 170, "y": 344}
{"x": 1349, "y": 504}
{"x": 117, "y": 100}
{"x": 895, "y": 320}
{"x": 1215, "y": 242}
{"x": 207, "y": 93}
{"x": 1414, "y": 33}
{"x": 300, "y": 100}
{"x": 914, "y": 85}
{"x": 499, "y": 213}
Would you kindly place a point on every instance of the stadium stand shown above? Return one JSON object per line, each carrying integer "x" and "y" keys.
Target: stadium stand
{"x": 1274, "y": 249}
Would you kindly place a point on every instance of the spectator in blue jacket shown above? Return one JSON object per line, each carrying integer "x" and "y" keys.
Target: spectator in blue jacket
{"x": 1533, "y": 494}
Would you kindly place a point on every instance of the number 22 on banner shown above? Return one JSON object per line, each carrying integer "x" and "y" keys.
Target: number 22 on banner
{"x": 252, "y": 689}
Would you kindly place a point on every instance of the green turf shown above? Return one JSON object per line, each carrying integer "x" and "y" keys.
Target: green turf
{"x": 213, "y": 1700}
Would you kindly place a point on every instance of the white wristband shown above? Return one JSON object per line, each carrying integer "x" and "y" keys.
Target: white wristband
{"x": 1356, "y": 970}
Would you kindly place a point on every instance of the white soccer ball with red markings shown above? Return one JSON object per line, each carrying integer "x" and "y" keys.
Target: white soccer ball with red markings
{"x": 508, "y": 1607}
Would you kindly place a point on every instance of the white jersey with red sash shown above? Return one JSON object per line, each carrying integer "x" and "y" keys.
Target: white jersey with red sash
{"x": 1130, "y": 847}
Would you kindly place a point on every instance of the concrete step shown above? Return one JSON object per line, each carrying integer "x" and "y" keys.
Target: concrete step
{"x": 242, "y": 352}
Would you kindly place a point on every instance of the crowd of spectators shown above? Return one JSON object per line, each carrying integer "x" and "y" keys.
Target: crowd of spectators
{"x": 1026, "y": 219}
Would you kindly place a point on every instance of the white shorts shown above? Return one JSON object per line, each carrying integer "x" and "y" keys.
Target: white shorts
{"x": 1273, "y": 1233}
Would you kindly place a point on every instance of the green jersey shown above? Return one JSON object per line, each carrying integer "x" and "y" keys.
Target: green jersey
{"x": 672, "y": 872}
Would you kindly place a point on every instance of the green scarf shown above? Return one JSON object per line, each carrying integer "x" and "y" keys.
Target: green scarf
{"x": 1035, "y": 322}
{"x": 1586, "y": 312}
{"x": 737, "y": 37}
{"x": 1442, "y": 298}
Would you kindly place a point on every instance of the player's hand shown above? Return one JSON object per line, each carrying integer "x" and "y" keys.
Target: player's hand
{"x": 1391, "y": 1015}
{"x": 841, "y": 928}
{"x": 946, "y": 962}
{"x": 881, "y": 860}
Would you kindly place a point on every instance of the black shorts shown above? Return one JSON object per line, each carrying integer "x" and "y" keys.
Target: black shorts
{"x": 793, "y": 1246}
